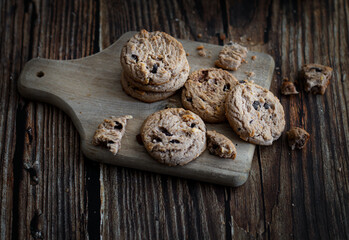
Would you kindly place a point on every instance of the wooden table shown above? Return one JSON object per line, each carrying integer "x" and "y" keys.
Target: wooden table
{"x": 50, "y": 190}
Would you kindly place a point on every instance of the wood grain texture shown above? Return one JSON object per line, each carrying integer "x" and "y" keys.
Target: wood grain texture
{"x": 289, "y": 195}
{"x": 47, "y": 171}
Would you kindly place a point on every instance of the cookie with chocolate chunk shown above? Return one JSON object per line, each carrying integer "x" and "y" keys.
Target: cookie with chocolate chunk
{"x": 110, "y": 133}
{"x": 297, "y": 137}
{"x": 174, "y": 136}
{"x": 205, "y": 92}
{"x": 174, "y": 84}
{"x": 220, "y": 145}
{"x": 316, "y": 77}
{"x": 255, "y": 114}
{"x": 144, "y": 96}
{"x": 231, "y": 56}
{"x": 153, "y": 58}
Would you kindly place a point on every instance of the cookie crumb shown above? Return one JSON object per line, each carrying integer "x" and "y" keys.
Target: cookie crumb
{"x": 187, "y": 54}
{"x": 202, "y": 53}
{"x": 288, "y": 88}
{"x": 253, "y": 58}
{"x": 222, "y": 36}
{"x": 199, "y": 35}
{"x": 249, "y": 39}
{"x": 200, "y": 47}
{"x": 250, "y": 74}
{"x": 297, "y": 137}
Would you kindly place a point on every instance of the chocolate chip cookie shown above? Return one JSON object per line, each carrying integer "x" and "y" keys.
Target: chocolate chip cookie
{"x": 205, "y": 92}
{"x": 142, "y": 95}
{"x": 316, "y": 77}
{"x": 174, "y": 136}
{"x": 220, "y": 145}
{"x": 153, "y": 57}
{"x": 255, "y": 114}
{"x": 174, "y": 84}
{"x": 110, "y": 133}
{"x": 231, "y": 56}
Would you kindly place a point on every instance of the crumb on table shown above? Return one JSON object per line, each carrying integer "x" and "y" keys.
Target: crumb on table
{"x": 222, "y": 36}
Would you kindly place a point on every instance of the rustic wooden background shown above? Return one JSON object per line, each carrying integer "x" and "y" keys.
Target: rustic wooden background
{"x": 50, "y": 190}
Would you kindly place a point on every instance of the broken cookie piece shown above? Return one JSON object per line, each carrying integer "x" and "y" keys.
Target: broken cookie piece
{"x": 110, "y": 133}
{"x": 201, "y": 51}
{"x": 220, "y": 145}
{"x": 297, "y": 137}
{"x": 288, "y": 88}
{"x": 316, "y": 77}
{"x": 231, "y": 56}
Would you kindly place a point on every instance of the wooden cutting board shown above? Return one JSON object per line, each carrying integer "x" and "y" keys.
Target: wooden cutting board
{"x": 89, "y": 90}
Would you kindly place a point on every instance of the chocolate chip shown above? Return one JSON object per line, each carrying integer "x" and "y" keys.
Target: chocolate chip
{"x": 239, "y": 129}
{"x": 266, "y": 106}
{"x": 156, "y": 139}
{"x": 215, "y": 146}
{"x": 110, "y": 142}
{"x": 155, "y": 68}
{"x": 192, "y": 125}
{"x": 226, "y": 87}
{"x": 175, "y": 141}
{"x": 190, "y": 99}
{"x": 242, "y": 81}
{"x": 165, "y": 131}
{"x": 135, "y": 57}
{"x": 256, "y": 104}
{"x": 251, "y": 121}
{"x": 117, "y": 125}
{"x": 316, "y": 69}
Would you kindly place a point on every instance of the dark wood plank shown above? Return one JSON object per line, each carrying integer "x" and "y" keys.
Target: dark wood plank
{"x": 47, "y": 169}
{"x": 10, "y": 60}
{"x": 304, "y": 190}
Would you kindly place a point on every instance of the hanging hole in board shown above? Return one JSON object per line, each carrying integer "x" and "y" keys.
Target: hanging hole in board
{"x": 40, "y": 74}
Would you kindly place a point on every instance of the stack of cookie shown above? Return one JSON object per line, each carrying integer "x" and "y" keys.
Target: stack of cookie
{"x": 154, "y": 66}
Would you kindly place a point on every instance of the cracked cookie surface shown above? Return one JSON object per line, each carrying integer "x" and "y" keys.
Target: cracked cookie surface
{"x": 142, "y": 95}
{"x": 220, "y": 145}
{"x": 109, "y": 133}
{"x": 205, "y": 92}
{"x": 231, "y": 56}
{"x": 153, "y": 57}
{"x": 174, "y": 136}
{"x": 255, "y": 114}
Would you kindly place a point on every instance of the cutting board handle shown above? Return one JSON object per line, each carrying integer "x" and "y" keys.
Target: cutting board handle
{"x": 44, "y": 80}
